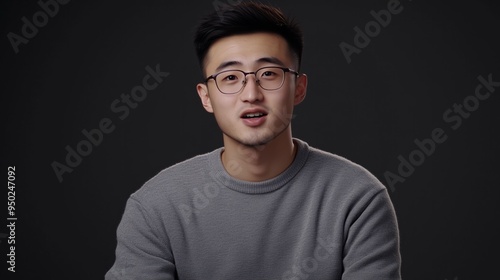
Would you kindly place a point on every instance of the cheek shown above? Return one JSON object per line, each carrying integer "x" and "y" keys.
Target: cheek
{"x": 222, "y": 106}
{"x": 288, "y": 94}
{"x": 282, "y": 106}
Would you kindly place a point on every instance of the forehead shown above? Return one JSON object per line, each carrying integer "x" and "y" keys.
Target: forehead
{"x": 246, "y": 51}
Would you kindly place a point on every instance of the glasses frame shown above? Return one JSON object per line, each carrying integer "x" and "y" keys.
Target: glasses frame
{"x": 284, "y": 69}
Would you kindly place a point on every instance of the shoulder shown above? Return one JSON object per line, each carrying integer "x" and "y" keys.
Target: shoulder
{"x": 345, "y": 173}
{"x": 348, "y": 186}
{"x": 173, "y": 182}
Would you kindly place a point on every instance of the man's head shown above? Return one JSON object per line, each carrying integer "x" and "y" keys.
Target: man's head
{"x": 251, "y": 73}
{"x": 245, "y": 18}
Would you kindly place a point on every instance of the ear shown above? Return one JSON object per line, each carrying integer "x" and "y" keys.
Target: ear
{"x": 205, "y": 98}
{"x": 300, "y": 89}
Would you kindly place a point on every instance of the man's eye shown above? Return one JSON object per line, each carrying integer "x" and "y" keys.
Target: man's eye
{"x": 269, "y": 75}
{"x": 230, "y": 78}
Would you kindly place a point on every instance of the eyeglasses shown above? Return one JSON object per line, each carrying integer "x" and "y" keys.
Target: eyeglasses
{"x": 233, "y": 81}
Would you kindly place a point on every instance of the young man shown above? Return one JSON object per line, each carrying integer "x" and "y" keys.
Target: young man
{"x": 266, "y": 205}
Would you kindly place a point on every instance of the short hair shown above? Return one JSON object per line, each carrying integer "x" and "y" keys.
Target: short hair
{"x": 245, "y": 18}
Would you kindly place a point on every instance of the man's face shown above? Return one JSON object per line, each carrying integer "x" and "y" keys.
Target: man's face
{"x": 274, "y": 108}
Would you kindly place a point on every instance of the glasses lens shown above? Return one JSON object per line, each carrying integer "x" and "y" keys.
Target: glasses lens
{"x": 230, "y": 81}
{"x": 270, "y": 78}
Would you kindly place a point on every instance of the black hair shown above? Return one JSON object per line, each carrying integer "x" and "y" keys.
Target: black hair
{"x": 247, "y": 17}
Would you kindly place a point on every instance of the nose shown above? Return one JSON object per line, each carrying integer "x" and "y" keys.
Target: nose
{"x": 251, "y": 90}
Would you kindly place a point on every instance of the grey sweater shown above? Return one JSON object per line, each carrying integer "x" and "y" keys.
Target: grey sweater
{"x": 322, "y": 218}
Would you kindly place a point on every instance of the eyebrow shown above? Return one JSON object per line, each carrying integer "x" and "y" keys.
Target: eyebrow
{"x": 270, "y": 59}
{"x": 227, "y": 64}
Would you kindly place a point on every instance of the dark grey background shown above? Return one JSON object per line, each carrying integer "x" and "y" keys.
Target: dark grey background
{"x": 370, "y": 111}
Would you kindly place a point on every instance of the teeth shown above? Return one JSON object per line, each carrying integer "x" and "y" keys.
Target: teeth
{"x": 254, "y": 115}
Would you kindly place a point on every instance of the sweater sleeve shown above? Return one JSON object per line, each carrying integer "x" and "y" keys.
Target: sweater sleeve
{"x": 141, "y": 252}
{"x": 372, "y": 245}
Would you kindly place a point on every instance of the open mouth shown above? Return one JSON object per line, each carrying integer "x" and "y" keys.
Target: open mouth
{"x": 253, "y": 115}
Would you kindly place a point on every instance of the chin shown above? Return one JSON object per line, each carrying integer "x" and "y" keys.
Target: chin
{"x": 256, "y": 139}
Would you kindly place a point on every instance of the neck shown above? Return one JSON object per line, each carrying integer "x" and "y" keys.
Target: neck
{"x": 258, "y": 163}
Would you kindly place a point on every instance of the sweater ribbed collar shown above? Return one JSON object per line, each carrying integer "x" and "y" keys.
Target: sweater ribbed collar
{"x": 219, "y": 173}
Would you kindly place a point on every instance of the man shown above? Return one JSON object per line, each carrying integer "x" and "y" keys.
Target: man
{"x": 266, "y": 205}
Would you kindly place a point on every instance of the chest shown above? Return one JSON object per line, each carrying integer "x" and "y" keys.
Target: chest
{"x": 261, "y": 237}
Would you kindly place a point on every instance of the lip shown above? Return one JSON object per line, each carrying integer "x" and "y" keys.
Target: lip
{"x": 253, "y": 111}
{"x": 253, "y": 122}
